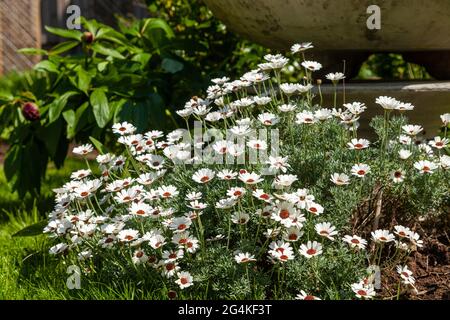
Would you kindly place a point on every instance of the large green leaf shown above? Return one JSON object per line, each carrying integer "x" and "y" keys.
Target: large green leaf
{"x": 46, "y": 65}
{"x": 25, "y": 165}
{"x": 143, "y": 113}
{"x": 63, "y": 47}
{"x": 97, "y": 47}
{"x": 70, "y": 118}
{"x": 57, "y": 106}
{"x": 84, "y": 80}
{"x": 100, "y": 107}
{"x": 65, "y": 33}
{"x": 151, "y": 24}
{"x": 32, "y": 230}
{"x": 50, "y": 135}
{"x": 33, "y": 51}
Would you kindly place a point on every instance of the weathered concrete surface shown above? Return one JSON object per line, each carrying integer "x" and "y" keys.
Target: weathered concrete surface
{"x": 431, "y": 99}
{"x": 406, "y": 25}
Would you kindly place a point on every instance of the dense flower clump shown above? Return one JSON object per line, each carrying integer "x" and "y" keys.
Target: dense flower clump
{"x": 251, "y": 215}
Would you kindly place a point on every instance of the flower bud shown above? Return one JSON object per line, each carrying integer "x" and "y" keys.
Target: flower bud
{"x": 31, "y": 111}
{"x": 88, "y": 37}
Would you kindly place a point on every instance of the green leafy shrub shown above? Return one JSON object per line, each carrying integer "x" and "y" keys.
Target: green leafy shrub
{"x": 127, "y": 75}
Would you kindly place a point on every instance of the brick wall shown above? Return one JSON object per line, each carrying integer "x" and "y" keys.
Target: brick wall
{"x": 22, "y": 22}
{"x": 20, "y": 27}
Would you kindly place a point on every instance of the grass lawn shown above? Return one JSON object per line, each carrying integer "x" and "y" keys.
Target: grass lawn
{"x": 26, "y": 269}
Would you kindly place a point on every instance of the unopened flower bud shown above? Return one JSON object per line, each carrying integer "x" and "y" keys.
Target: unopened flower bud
{"x": 31, "y": 111}
{"x": 88, "y": 37}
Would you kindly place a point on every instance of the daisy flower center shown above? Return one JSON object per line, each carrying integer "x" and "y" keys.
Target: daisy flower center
{"x": 311, "y": 251}
{"x": 361, "y": 172}
{"x": 362, "y": 293}
{"x": 170, "y": 266}
{"x": 184, "y": 280}
{"x": 204, "y": 179}
{"x": 284, "y": 214}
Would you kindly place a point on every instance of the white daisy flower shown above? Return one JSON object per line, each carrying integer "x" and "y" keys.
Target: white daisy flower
{"x": 439, "y": 143}
{"x": 311, "y": 249}
{"x": 360, "y": 170}
{"x": 83, "y": 149}
{"x": 355, "y": 241}
{"x": 335, "y": 77}
{"x": 304, "y": 296}
{"x": 387, "y": 103}
{"x": 382, "y": 236}
{"x": 325, "y": 229}
{"x": 404, "y": 154}
{"x": 363, "y": 291}
{"x": 358, "y": 144}
{"x": 240, "y": 218}
{"x": 244, "y": 258}
{"x": 301, "y": 47}
{"x": 123, "y": 128}
{"x": 340, "y": 179}
{"x": 412, "y": 130}
{"x": 425, "y": 166}
{"x": 250, "y": 178}
{"x": 184, "y": 280}
{"x": 398, "y": 176}
{"x": 312, "y": 65}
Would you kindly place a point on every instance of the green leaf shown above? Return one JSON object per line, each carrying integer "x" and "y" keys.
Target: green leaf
{"x": 70, "y": 34}
{"x": 32, "y": 230}
{"x": 98, "y": 145}
{"x": 25, "y": 165}
{"x": 102, "y": 66}
{"x": 71, "y": 119}
{"x": 57, "y": 106}
{"x": 84, "y": 80}
{"x": 171, "y": 65}
{"x": 63, "y": 47}
{"x": 33, "y": 51}
{"x": 156, "y": 23}
{"x": 6, "y": 95}
{"x": 90, "y": 25}
{"x": 96, "y": 47}
{"x": 142, "y": 58}
{"x": 100, "y": 107}
{"x": 46, "y": 66}
{"x": 142, "y": 113}
{"x": 50, "y": 135}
